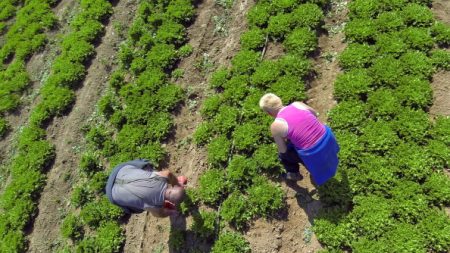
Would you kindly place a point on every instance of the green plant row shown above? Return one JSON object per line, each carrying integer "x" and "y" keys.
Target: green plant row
{"x": 134, "y": 117}
{"x": 8, "y": 9}
{"x": 235, "y": 130}
{"x": 390, "y": 189}
{"x": 24, "y": 37}
{"x": 35, "y": 154}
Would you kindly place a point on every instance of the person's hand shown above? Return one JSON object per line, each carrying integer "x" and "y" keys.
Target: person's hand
{"x": 182, "y": 180}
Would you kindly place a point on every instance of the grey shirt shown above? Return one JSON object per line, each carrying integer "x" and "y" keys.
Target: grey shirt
{"x": 139, "y": 189}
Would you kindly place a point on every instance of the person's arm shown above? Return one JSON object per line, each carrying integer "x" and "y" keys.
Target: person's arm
{"x": 304, "y": 106}
{"x": 171, "y": 178}
{"x": 278, "y": 130}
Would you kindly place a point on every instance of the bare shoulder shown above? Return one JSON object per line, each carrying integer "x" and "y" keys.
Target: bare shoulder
{"x": 278, "y": 128}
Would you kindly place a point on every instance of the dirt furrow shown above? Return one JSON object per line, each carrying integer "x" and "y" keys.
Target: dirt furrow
{"x": 145, "y": 233}
{"x": 441, "y": 80}
{"x": 294, "y": 233}
{"x": 65, "y": 134}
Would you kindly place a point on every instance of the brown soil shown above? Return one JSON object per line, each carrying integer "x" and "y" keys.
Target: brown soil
{"x": 441, "y": 80}
{"x": 145, "y": 233}
{"x": 65, "y": 134}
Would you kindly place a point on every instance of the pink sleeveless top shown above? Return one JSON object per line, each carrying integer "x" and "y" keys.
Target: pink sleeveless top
{"x": 304, "y": 129}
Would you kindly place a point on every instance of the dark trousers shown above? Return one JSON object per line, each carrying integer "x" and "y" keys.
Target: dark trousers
{"x": 290, "y": 159}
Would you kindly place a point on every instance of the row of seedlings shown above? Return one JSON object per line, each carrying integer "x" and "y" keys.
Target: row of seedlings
{"x": 390, "y": 190}
{"x": 25, "y": 36}
{"x": 8, "y": 9}
{"x": 133, "y": 119}
{"x": 235, "y": 130}
{"x": 34, "y": 153}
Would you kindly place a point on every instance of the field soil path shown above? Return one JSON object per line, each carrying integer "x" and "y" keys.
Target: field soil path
{"x": 65, "y": 133}
{"x": 441, "y": 80}
{"x": 38, "y": 67}
{"x": 294, "y": 234}
{"x": 145, "y": 233}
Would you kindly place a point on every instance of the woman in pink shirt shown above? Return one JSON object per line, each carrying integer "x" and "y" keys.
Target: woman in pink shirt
{"x": 301, "y": 138}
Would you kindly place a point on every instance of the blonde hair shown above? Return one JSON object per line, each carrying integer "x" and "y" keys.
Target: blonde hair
{"x": 270, "y": 102}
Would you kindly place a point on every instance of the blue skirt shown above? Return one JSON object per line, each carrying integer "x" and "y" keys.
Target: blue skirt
{"x": 321, "y": 160}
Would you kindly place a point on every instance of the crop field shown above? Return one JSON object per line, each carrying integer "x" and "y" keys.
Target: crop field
{"x": 88, "y": 84}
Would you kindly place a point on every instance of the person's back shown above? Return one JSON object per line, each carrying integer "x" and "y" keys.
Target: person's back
{"x": 304, "y": 130}
{"x": 139, "y": 189}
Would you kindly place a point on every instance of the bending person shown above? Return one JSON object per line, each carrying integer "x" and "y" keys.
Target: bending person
{"x": 301, "y": 138}
{"x": 136, "y": 187}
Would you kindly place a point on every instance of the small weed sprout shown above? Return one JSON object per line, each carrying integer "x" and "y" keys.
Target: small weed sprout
{"x": 220, "y": 25}
{"x": 205, "y": 64}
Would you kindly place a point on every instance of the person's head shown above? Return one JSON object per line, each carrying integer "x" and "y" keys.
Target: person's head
{"x": 175, "y": 194}
{"x": 271, "y": 104}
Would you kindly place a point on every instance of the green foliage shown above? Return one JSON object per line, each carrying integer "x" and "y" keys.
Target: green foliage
{"x": 331, "y": 229}
{"x": 212, "y": 186}
{"x": 90, "y": 163}
{"x": 405, "y": 237}
{"x": 386, "y": 71}
{"x": 417, "y": 15}
{"x": 308, "y": 15}
{"x": 204, "y": 224}
{"x": 348, "y": 115}
{"x": 97, "y": 212}
{"x": 435, "y": 227}
{"x": 371, "y": 216}
{"x": 280, "y": 25}
{"x": 236, "y": 89}
{"x": 258, "y": 15}
{"x": 245, "y": 62}
{"x": 439, "y": 154}
{"x": 414, "y": 92}
{"x": 72, "y": 228}
{"x": 440, "y": 59}
{"x": 301, "y": 41}
{"x": 390, "y": 21}
{"x": 412, "y": 161}
{"x": 373, "y": 175}
{"x": 4, "y": 126}
{"x": 441, "y": 33}
{"x": 253, "y": 39}
{"x": 265, "y": 197}
{"x": 383, "y": 104}
{"x": 219, "y": 78}
{"x": 181, "y": 11}
{"x": 230, "y": 242}
{"x": 441, "y": 129}
{"x": 185, "y": 50}
{"x": 354, "y": 84}
{"x": 418, "y": 38}
{"x": 356, "y": 56}
{"x": 412, "y": 125}
{"x": 390, "y": 44}
{"x": 81, "y": 195}
{"x": 218, "y": 150}
{"x": 417, "y": 64}
{"x": 161, "y": 56}
{"x": 248, "y": 136}
{"x": 379, "y": 137}
{"x": 364, "y": 8}
{"x": 294, "y": 65}
{"x": 235, "y": 210}
{"x": 437, "y": 189}
{"x": 266, "y": 160}
{"x": 226, "y": 119}
{"x": 211, "y": 106}
{"x": 289, "y": 88}
{"x": 203, "y": 133}
{"x": 266, "y": 73}
{"x": 360, "y": 30}
{"x": 109, "y": 237}
{"x": 241, "y": 171}
{"x": 351, "y": 147}
{"x": 170, "y": 33}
